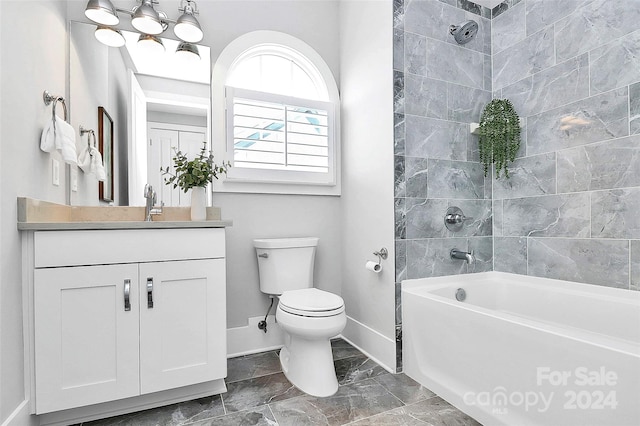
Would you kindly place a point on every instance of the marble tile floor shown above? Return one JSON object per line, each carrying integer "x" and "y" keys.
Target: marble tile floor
{"x": 259, "y": 394}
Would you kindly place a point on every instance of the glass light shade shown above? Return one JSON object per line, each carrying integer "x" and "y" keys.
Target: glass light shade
{"x": 188, "y": 52}
{"x": 188, "y": 29}
{"x": 110, "y": 36}
{"x": 146, "y": 20}
{"x": 102, "y": 12}
{"x": 151, "y": 44}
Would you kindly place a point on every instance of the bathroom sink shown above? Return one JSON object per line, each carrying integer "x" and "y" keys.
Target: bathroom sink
{"x": 37, "y": 211}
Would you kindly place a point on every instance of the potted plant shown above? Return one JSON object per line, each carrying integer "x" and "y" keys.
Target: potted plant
{"x": 499, "y": 138}
{"x": 194, "y": 174}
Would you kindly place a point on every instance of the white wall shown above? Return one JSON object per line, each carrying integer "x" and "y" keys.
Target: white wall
{"x": 261, "y": 216}
{"x": 369, "y": 299}
{"x": 34, "y": 59}
{"x": 367, "y": 186}
{"x": 2, "y": 416}
{"x": 182, "y": 119}
{"x": 272, "y": 216}
{"x": 316, "y": 23}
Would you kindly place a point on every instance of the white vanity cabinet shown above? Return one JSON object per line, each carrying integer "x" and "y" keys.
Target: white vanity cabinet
{"x": 86, "y": 343}
{"x": 135, "y": 316}
{"x": 182, "y": 323}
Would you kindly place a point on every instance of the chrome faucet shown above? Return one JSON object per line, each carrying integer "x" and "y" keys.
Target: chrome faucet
{"x": 151, "y": 197}
{"x": 463, "y": 255}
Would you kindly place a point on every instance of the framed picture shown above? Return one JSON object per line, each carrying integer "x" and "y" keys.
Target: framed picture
{"x": 105, "y": 146}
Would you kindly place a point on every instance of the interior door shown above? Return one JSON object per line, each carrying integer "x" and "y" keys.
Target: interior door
{"x": 182, "y": 323}
{"x": 162, "y": 143}
{"x": 164, "y": 139}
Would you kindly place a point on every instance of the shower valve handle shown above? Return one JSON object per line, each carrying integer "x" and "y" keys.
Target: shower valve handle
{"x": 454, "y": 218}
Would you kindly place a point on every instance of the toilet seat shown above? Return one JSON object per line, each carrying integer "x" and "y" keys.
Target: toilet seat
{"x": 311, "y": 302}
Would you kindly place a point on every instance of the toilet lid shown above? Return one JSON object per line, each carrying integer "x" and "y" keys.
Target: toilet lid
{"x": 311, "y": 302}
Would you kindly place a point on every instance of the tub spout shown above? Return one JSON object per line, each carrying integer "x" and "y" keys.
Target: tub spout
{"x": 463, "y": 255}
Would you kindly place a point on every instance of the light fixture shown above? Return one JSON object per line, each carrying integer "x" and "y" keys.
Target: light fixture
{"x": 188, "y": 52}
{"x": 148, "y": 21}
{"x": 110, "y": 36}
{"x": 187, "y": 27}
{"x": 102, "y": 12}
{"x": 151, "y": 44}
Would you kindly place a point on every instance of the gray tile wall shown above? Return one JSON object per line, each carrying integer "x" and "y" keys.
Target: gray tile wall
{"x": 440, "y": 87}
{"x": 571, "y": 68}
{"x": 572, "y": 71}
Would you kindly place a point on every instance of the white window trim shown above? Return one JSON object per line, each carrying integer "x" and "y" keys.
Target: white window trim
{"x": 246, "y": 184}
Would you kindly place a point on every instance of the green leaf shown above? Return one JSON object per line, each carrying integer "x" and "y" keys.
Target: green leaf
{"x": 499, "y": 136}
{"x": 197, "y": 172}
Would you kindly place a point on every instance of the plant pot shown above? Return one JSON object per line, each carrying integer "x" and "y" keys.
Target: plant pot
{"x": 198, "y": 203}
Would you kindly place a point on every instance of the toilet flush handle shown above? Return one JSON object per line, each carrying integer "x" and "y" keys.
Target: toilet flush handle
{"x": 264, "y": 255}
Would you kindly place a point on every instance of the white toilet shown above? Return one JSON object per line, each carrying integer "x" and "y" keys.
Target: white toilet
{"x": 308, "y": 316}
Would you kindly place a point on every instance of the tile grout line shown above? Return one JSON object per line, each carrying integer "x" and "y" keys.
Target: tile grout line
{"x": 224, "y": 407}
{"x": 273, "y": 414}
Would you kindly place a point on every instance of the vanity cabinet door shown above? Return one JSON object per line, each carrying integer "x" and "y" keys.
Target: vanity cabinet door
{"x": 86, "y": 335}
{"x": 182, "y": 323}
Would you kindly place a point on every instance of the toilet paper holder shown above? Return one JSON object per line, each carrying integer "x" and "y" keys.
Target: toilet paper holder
{"x": 376, "y": 267}
{"x": 382, "y": 254}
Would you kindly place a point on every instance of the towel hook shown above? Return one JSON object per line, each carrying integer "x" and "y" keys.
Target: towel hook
{"x": 91, "y": 133}
{"x": 48, "y": 98}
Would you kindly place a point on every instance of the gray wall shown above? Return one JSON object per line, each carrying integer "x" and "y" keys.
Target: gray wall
{"x": 274, "y": 215}
{"x": 571, "y": 70}
{"x": 34, "y": 60}
{"x": 440, "y": 87}
{"x": 570, "y": 210}
{"x": 265, "y": 215}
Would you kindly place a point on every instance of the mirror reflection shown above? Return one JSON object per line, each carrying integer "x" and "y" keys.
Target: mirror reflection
{"x": 159, "y": 99}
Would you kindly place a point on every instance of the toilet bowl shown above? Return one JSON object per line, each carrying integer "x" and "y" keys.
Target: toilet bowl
{"x": 310, "y": 318}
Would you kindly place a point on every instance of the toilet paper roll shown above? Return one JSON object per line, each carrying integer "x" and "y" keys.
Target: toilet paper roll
{"x": 373, "y": 266}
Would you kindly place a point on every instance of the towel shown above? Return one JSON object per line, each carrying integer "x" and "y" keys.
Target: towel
{"x": 84, "y": 159}
{"x": 97, "y": 165}
{"x": 90, "y": 161}
{"x": 58, "y": 134}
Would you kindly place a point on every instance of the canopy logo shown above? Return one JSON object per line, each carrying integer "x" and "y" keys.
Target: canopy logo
{"x": 584, "y": 389}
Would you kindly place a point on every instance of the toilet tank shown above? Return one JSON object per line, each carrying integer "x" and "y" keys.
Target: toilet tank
{"x": 285, "y": 263}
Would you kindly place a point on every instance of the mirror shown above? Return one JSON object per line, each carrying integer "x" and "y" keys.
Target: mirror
{"x": 105, "y": 146}
{"x": 156, "y": 102}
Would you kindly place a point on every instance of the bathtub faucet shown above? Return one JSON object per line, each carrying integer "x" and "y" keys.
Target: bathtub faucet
{"x": 463, "y": 255}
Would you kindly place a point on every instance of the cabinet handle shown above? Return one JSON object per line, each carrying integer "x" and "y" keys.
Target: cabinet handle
{"x": 127, "y": 292}
{"x": 150, "y": 293}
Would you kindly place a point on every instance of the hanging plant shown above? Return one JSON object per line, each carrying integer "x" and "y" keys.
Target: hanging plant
{"x": 499, "y": 139}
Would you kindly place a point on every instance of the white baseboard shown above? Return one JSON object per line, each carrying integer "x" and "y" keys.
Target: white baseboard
{"x": 250, "y": 339}
{"x": 376, "y": 346}
{"x": 21, "y": 416}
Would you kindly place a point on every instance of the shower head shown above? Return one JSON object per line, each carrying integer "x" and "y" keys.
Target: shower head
{"x": 465, "y": 32}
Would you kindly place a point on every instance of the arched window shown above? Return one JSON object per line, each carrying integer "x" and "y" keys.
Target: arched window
{"x": 280, "y": 111}
{"x": 279, "y": 70}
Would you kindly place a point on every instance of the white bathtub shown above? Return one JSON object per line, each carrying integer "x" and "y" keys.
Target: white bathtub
{"x": 525, "y": 351}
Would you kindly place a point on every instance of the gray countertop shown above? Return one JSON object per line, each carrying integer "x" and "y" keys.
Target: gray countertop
{"x": 76, "y": 226}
